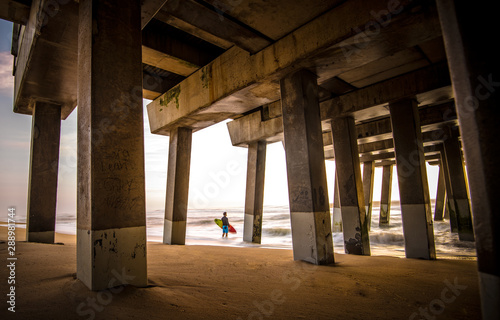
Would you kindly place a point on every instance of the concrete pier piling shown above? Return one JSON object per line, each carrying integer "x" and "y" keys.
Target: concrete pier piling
{"x": 474, "y": 71}
{"x": 368, "y": 178}
{"x": 412, "y": 179}
{"x": 44, "y": 164}
{"x": 450, "y": 210}
{"x": 354, "y": 221}
{"x": 440, "y": 194}
{"x": 308, "y": 193}
{"x": 453, "y": 154}
{"x": 337, "y": 211}
{"x": 111, "y": 219}
{"x": 254, "y": 197}
{"x": 176, "y": 199}
{"x": 385, "y": 196}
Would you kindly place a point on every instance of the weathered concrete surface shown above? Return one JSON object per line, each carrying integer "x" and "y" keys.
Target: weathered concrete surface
{"x": 453, "y": 154}
{"x": 198, "y": 15}
{"x": 149, "y": 8}
{"x": 255, "y": 126}
{"x": 39, "y": 76}
{"x": 337, "y": 211}
{"x": 412, "y": 179}
{"x": 450, "y": 211}
{"x": 44, "y": 164}
{"x": 47, "y": 53}
{"x": 308, "y": 193}
{"x": 176, "y": 200}
{"x": 14, "y": 11}
{"x": 426, "y": 86}
{"x": 252, "y": 127}
{"x": 354, "y": 221}
{"x": 385, "y": 196}
{"x": 237, "y": 82}
{"x": 368, "y": 178}
{"x": 474, "y": 71}
{"x": 440, "y": 194}
{"x": 254, "y": 196}
{"x": 382, "y": 163}
{"x": 111, "y": 219}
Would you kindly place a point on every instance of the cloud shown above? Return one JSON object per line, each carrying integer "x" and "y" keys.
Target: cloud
{"x": 6, "y": 78}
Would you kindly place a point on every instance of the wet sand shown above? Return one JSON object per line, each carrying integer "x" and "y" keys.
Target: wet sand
{"x": 210, "y": 282}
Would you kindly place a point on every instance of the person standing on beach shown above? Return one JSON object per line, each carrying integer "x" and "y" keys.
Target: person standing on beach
{"x": 225, "y": 224}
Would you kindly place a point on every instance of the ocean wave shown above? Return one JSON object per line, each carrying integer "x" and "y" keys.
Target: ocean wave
{"x": 199, "y": 222}
{"x": 276, "y": 232}
{"x": 387, "y": 238}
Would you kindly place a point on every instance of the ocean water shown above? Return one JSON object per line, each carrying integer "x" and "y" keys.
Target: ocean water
{"x": 276, "y": 232}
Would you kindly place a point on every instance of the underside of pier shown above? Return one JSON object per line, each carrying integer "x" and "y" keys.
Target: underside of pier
{"x": 372, "y": 82}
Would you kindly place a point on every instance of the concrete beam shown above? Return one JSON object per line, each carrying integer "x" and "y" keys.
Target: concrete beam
{"x": 432, "y": 118}
{"x": 422, "y": 84}
{"x": 308, "y": 193}
{"x": 166, "y": 17}
{"x": 38, "y": 75}
{"x": 111, "y": 213}
{"x": 429, "y": 138}
{"x": 393, "y": 162}
{"x": 251, "y": 128}
{"x": 167, "y": 62}
{"x": 430, "y": 150}
{"x": 172, "y": 50}
{"x": 412, "y": 179}
{"x": 176, "y": 200}
{"x": 255, "y": 127}
{"x": 220, "y": 90}
{"x": 149, "y": 8}
{"x": 156, "y": 81}
{"x": 474, "y": 71}
{"x": 44, "y": 164}
{"x": 51, "y": 30}
{"x": 254, "y": 196}
{"x": 15, "y": 11}
{"x": 194, "y": 13}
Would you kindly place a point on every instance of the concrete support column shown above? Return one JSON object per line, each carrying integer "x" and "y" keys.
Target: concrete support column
{"x": 449, "y": 212}
{"x": 458, "y": 181}
{"x": 368, "y": 177}
{"x": 337, "y": 212}
{"x": 176, "y": 200}
{"x": 354, "y": 222}
{"x": 111, "y": 219}
{"x": 254, "y": 198}
{"x": 305, "y": 160}
{"x": 44, "y": 164}
{"x": 440, "y": 195}
{"x": 474, "y": 70}
{"x": 412, "y": 179}
{"x": 446, "y": 209}
{"x": 385, "y": 196}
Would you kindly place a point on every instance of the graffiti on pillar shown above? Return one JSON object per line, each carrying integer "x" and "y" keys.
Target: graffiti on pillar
{"x": 354, "y": 245}
{"x": 257, "y": 228}
{"x": 300, "y": 195}
{"x": 319, "y": 196}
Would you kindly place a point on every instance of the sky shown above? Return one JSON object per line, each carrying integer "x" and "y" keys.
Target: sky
{"x": 218, "y": 170}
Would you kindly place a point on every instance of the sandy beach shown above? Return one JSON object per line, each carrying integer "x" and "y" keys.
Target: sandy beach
{"x": 210, "y": 282}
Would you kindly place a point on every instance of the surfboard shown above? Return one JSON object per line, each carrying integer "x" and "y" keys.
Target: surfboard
{"x": 219, "y": 223}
